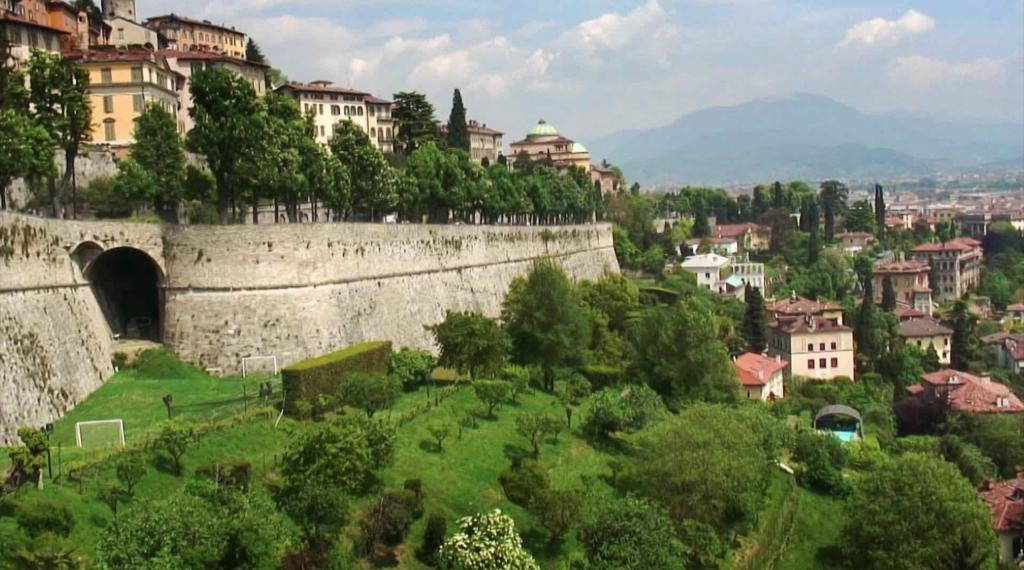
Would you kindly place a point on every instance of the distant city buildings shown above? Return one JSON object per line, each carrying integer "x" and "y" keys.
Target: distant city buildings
{"x": 187, "y": 34}
{"x": 26, "y": 26}
{"x": 910, "y": 282}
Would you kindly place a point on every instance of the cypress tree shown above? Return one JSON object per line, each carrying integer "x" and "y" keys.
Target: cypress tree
{"x": 933, "y": 281}
{"x": 700, "y": 222}
{"x": 778, "y": 195}
{"x": 253, "y": 52}
{"x": 888, "y": 294}
{"x": 880, "y": 210}
{"x": 754, "y": 320}
{"x": 458, "y": 130}
{"x": 930, "y": 362}
{"x": 864, "y": 332}
{"x": 963, "y": 336}
{"x": 813, "y": 243}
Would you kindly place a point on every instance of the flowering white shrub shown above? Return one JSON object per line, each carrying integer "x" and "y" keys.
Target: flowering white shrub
{"x": 486, "y": 542}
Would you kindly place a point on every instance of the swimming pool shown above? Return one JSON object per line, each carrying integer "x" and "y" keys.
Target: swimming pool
{"x": 845, "y": 436}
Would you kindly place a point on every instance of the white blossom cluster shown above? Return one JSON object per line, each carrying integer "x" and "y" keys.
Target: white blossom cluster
{"x": 486, "y": 542}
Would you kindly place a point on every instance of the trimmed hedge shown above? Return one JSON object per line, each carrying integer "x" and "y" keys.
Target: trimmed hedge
{"x": 602, "y": 376}
{"x": 305, "y": 381}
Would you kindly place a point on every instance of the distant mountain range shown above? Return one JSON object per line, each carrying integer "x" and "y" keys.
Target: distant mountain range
{"x": 807, "y": 137}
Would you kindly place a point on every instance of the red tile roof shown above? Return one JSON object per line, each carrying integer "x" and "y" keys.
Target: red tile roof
{"x": 321, "y": 88}
{"x": 1006, "y": 503}
{"x": 737, "y": 230}
{"x": 1015, "y": 308}
{"x": 801, "y": 306}
{"x": 923, "y": 327}
{"x": 956, "y": 244}
{"x": 970, "y": 393}
{"x": 902, "y": 267}
{"x": 208, "y": 56}
{"x": 803, "y": 325}
{"x": 756, "y": 369}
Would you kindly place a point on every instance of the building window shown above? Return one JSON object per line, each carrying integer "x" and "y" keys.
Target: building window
{"x": 833, "y": 346}
{"x": 322, "y": 130}
{"x": 389, "y": 133}
{"x": 821, "y": 363}
{"x": 108, "y": 130}
{"x": 120, "y": 34}
{"x": 821, "y": 347}
{"x": 108, "y": 103}
{"x": 835, "y": 363}
{"x": 138, "y": 102}
{"x": 335, "y": 110}
{"x": 359, "y": 111}
{"x": 810, "y": 347}
{"x": 320, "y": 108}
{"x": 136, "y": 74}
{"x": 373, "y": 132}
{"x": 105, "y": 75}
{"x": 810, "y": 364}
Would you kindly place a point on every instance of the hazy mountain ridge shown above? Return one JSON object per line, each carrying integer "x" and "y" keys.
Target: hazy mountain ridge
{"x": 806, "y": 136}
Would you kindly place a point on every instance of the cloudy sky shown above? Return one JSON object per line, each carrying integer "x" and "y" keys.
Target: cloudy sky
{"x": 596, "y": 66}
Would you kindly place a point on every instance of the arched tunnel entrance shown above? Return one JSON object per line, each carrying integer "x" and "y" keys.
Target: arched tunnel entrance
{"x": 128, "y": 286}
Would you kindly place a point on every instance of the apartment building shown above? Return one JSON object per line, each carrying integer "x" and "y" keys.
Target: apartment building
{"x": 604, "y": 179}
{"x": 925, "y": 332}
{"x": 330, "y": 105}
{"x": 129, "y": 33}
{"x": 121, "y": 84}
{"x": 796, "y": 306}
{"x": 83, "y": 30}
{"x": 957, "y": 264}
{"x": 855, "y": 242}
{"x": 814, "y": 346}
{"x": 186, "y": 34}
{"x": 484, "y": 142}
{"x": 544, "y": 144}
{"x": 185, "y": 63}
{"x": 910, "y": 281}
{"x": 26, "y": 26}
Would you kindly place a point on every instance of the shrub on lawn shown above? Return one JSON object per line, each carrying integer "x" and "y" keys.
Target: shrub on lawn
{"x": 37, "y": 515}
{"x": 306, "y": 381}
{"x": 227, "y": 472}
{"x": 524, "y": 481}
{"x": 387, "y": 520}
{"x": 602, "y": 376}
{"x": 433, "y": 538}
{"x": 412, "y": 367}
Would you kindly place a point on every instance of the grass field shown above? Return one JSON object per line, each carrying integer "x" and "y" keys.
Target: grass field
{"x": 818, "y": 524}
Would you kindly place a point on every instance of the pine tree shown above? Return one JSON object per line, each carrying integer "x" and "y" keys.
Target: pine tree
{"x": 700, "y": 222}
{"x": 888, "y": 294}
{"x": 833, "y": 201}
{"x": 931, "y": 362}
{"x": 253, "y": 52}
{"x": 778, "y": 195}
{"x": 864, "y": 332}
{"x": 754, "y": 320}
{"x": 458, "y": 131}
{"x": 880, "y": 210}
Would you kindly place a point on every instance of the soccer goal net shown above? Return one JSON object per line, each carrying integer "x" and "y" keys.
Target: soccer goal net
{"x": 99, "y": 433}
{"x": 259, "y": 365}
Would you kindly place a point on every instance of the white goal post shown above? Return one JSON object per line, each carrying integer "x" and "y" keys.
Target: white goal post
{"x": 247, "y": 367}
{"x": 78, "y": 429}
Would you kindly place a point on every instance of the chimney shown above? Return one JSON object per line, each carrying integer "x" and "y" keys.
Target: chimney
{"x": 778, "y": 359}
{"x": 986, "y": 379}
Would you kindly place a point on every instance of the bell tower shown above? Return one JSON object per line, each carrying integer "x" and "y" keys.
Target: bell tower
{"x": 119, "y": 9}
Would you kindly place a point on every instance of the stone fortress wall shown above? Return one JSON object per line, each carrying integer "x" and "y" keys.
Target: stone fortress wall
{"x": 293, "y": 291}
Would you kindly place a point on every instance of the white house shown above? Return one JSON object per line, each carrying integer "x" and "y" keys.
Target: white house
{"x": 711, "y": 270}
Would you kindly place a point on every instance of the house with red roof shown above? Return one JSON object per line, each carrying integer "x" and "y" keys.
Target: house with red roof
{"x": 760, "y": 376}
{"x": 1010, "y": 348}
{"x": 748, "y": 236}
{"x": 1005, "y": 500}
{"x": 854, "y": 242}
{"x": 796, "y": 306}
{"x": 815, "y": 346}
{"x": 958, "y": 391}
{"x": 927, "y": 332}
{"x": 910, "y": 282}
{"x": 956, "y": 264}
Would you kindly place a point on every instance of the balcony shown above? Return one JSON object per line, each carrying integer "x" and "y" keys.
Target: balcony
{"x": 13, "y": 7}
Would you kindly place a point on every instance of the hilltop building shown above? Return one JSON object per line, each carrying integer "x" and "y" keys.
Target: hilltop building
{"x": 186, "y": 34}
{"x": 814, "y": 346}
{"x": 129, "y": 33}
{"x": 748, "y": 236}
{"x": 121, "y": 84}
{"x": 710, "y": 269}
{"x": 957, "y": 264}
{"x": 910, "y": 282}
{"x": 760, "y": 376}
{"x": 119, "y": 9}
{"x": 925, "y": 332}
{"x": 855, "y": 242}
{"x": 484, "y": 142}
{"x": 604, "y": 179}
{"x": 796, "y": 306}
{"x": 330, "y": 105}
{"x": 543, "y": 143}
{"x": 959, "y": 391}
{"x": 1010, "y": 347}
{"x": 82, "y": 29}
{"x": 1005, "y": 500}
{"x": 26, "y": 25}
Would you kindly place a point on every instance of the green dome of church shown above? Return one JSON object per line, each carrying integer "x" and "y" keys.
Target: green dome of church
{"x": 543, "y": 129}
{"x": 579, "y": 148}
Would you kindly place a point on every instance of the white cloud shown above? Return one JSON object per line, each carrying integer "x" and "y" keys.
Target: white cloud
{"x": 614, "y": 31}
{"x": 882, "y": 32}
{"x": 920, "y": 72}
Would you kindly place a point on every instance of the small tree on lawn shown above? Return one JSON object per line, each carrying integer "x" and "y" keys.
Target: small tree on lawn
{"x": 439, "y": 432}
{"x": 371, "y": 392}
{"x": 28, "y": 459}
{"x": 112, "y": 496}
{"x": 531, "y": 426}
{"x": 518, "y": 378}
{"x": 130, "y": 470}
{"x": 433, "y": 538}
{"x": 558, "y": 511}
{"x": 471, "y": 342}
{"x": 491, "y": 392}
{"x": 175, "y": 439}
{"x": 572, "y": 391}
{"x": 486, "y": 542}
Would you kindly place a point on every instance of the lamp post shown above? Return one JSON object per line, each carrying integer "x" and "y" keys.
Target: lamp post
{"x": 47, "y": 430}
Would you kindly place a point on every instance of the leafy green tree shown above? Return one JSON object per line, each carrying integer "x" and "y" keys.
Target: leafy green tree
{"x": 200, "y": 526}
{"x": 622, "y": 408}
{"x": 860, "y": 218}
{"x": 13, "y": 93}
{"x": 492, "y": 393}
{"x": 48, "y": 551}
{"x": 518, "y": 378}
{"x": 471, "y": 342}
{"x": 913, "y": 512}
{"x": 59, "y": 97}
{"x": 486, "y": 542}
{"x": 439, "y": 432}
{"x": 678, "y": 353}
{"x": 888, "y": 294}
{"x": 112, "y": 496}
{"x": 964, "y": 342}
{"x": 158, "y": 150}
{"x": 253, "y": 52}
{"x": 545, "y": 319}
{"x": 28, "y": 459}
{"x": 631, "y": 534}
{"x": 371, "y": 392}
{"x": 373, "y": 184}
{"x": 701, "y": 228}
{"x": 458, "y": 131}
{"x": 755, "y": 320}
{"x": 25, "y": 151}
{"x": 534, "y": 425}
{"x": 833, "y": 200}
{"x": 997, "y": 288}
{"x": 821, "y": 459}
{"x": 412, "y": 367}
{"x": 785, "y": 238}
{"x": 558, "y": 511}
{"x": 703, "y": 548}
{"x": 687, "y": 464}
{"x": 227, "y": 132}
{"x": 133, "y": 183}
{"x": 813, "y": 224}
{"x": 415, "y": 115}
{"x": 174, "y": 439}
{"x": 130, "y": 469}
